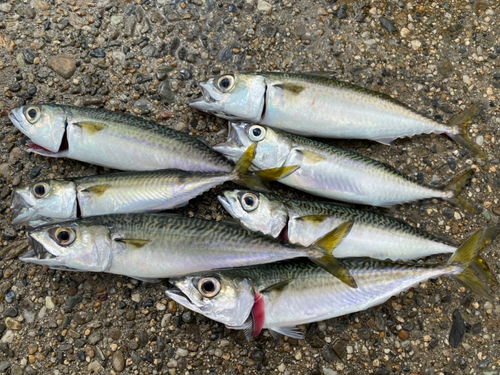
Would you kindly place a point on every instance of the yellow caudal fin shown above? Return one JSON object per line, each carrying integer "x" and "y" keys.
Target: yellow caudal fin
{"x": 456, "y": 185}
{"x": 257, "y": 180}
{"x": 466, "y": 257}
{"x": 461, "y": 121}
{"x": 327, "y": 244}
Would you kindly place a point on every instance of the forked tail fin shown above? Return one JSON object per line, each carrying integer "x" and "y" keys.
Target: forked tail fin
{"x": 466, "y": 257}
{"x": 327, "y": 244}
{"x": 456, "y": 185}
{"x": 257, "y": 180}
{"x": 462, "y": 121}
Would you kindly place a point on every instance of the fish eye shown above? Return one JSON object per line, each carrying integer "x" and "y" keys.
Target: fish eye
{"x": 40, "y": 190}
{"x": 257, "y": 133}
{"x": 33, "y": 114}
{"x": 65, "y": 236}
{"x": 249, "y": 202}
{"x": 225, "y": 83}
{"x": 209, "y": 287}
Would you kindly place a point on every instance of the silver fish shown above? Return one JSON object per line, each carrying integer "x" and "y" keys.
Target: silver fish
{"x": 154, "y": 246}
{"x": 302, "y": 223}
{"x": 112, "y": 139}
{"x": 289, "y": 294}
{"x": 317, "y": 106}
{"x": 119, "y": 193}
{"x": 333, "y": 173}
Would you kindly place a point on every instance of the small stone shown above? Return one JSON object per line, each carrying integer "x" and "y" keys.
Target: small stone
{"x": 404, "y": 32}
{"x": 48, "y": 303}
{"x": 4, "y": 365}
{"x": 165, "y": 93}
{"x": 63, "y": 65}
{"x": 496, "y": 210}
{"x": 182, "y": 352}
{"x": 263, "y": 6}
{"x": 416, "y": 44}
{"x": 5, "y": 7}
{"x": 388, "y": 25}
{"x": 9, "y": 297}
{"x": 466, "y": 79}
{"x": 94, "y": 366}
{"x": 81, "y": 355}
{"x": 457, "y": 329}
{"x": 403, "y": 334}
{"x": 12, "y": 324}
{"x": 73, "y": 301}
{"x": 11, "y": 312}
{"x": 115, "y": 334}
{"x": 445, "y": 68}
{"x": 118, "y": 57}
{"x": 479, "y": 140}
{"x": 98, "y": 53}
{"x": 328, "y": 354}
{"x": 95, "y": 337}
{"x": 35, "y": 172}
{"x": 30, "y": 13}
{"x": 116, "y": 20}
{"x": 342, "y": 12}
{"x": 118, "y": 361}
{"x": 28, "y": 56}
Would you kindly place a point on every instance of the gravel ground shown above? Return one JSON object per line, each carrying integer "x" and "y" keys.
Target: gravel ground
{"x": 146, "y": 57}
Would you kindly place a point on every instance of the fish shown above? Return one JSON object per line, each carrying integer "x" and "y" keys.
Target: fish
{"x": 332, "y": 173}
{"x": 313, "y": 105}
{"x": 150, "y": 247}
{"x": 51, "y": 201}
{"x": 281, "y": 296}
{"x": 303, "y": 222}
{"x": 112, "y": 139}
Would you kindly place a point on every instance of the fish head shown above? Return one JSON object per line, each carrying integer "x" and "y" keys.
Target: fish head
{"x": 272, "y": 148}
{"x": 255, "y": 211}
{"x": 233, "y": 97}
{"x": 227, "y": 299}
{"x": 45, "y": 125}
{"x": 44, "y": 202}
{"x": 70, "y": 246}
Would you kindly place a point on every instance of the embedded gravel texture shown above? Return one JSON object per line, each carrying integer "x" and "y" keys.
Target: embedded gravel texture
{"x": 146, "y": 57}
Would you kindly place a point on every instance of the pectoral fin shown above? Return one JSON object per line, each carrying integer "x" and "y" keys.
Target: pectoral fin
{"x": 278, "y": 286}
{"x": 311, "y": 157}
{"x": 90, "y": 127}
{"x": 292, "y": 88}
{"x": 133, "y": 242}
{"x": 292, "y": 332}
{"x": 96, "y": 189}
{"x": 313, "y": 219}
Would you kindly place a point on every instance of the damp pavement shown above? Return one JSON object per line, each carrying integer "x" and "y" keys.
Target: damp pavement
{"x": 146, "y": 57}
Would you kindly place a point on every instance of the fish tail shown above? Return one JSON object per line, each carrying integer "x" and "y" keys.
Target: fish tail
{"x": 455, "y": 186}
{"x": 326, "y": 260}
{"x": 467, "y": 257}
{"x": 257, "y": 180}
{"x": 461, "y": 121}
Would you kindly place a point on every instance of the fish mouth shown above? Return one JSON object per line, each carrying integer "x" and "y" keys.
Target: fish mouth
{"x": 15, "y": 116}
{"x": 224, "y": 201}
{"x": 39, "y": 253}
{"x": 18, "y": 207}
{"x": 178, "y": 296}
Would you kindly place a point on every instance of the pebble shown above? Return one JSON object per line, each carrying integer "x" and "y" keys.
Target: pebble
{"x": 416, "y": 44}
{"x": 11, "y": 312}
{"x": 81, "y": 355}
{"x": 73, "y": 301}
{"x": 165, "y": 93}
{"x": 63, "y": 65}
{"x": 388, "y": 25}
{"x": 95, "y": 337}
{"x": 342, "y": 12}
{"x": 116, "y": 20}
{"x": 5, "y": 7}
{"x": 328, "y": 354}
{"x": 48, "y": 303}
{"x": 183, "y": 352}
{"x": 9, "y": 297}
{"x": 94, "y": 366}
{"x": 445, "y": 68}
{"x": 12, "y": 324}
{"x": 457, "y": 329}
{"x": 404, "y": 32}
{"x": 479, "y": 140}
{"x": 118, "y": 361}
{"x": 263, "y": 6}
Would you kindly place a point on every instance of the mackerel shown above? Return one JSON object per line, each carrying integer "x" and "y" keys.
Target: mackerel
{"x": 314, "y": 105}
{"x": 281, "y": 296}
{"x": 154, "y": 246}
{"x": 303, "y": 222}
{"x": 112, "y": 139}
{"x": 330, "y": 172}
